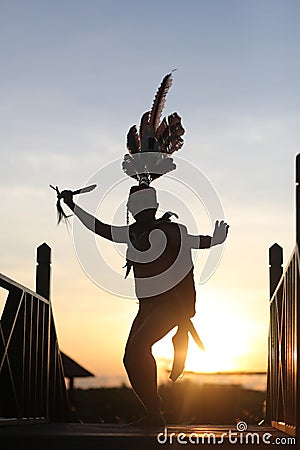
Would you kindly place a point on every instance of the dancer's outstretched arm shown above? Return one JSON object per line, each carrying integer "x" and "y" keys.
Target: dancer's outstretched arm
{"x": 111, "y": 232}
{"x": 218, "y": 237}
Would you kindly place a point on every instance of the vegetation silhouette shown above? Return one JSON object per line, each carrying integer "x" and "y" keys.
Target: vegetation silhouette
{"x": 185, "y": 402}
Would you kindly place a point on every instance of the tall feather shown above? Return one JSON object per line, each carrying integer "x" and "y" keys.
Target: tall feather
{"x": 159, "y": 101}
{"x": 133, "y": 140}
{"x": 144, "y": 123}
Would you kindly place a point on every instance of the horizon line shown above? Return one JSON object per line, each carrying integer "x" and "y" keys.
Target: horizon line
{"x": 236, "y": 372}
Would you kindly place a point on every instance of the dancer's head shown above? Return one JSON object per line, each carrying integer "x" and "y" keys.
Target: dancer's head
{"x": 142, "y": 202}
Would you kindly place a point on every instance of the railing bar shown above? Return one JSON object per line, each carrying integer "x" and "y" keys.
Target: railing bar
{"x": 23, "y": 356}
{"x": 273, "y": 354}
{"x": 6, "y": 357}
{"x": 294, "y": 341}
{"x": 294, "y": 254}
{"x": 278, "y": 326}
{"x": 54, "y": 377}
{"x": 9, "y": 369}
{"x": 278, "y": 362}
{"x": 287, "y": 340}
{"x": 290, "y": 343}
{"x": 42, "y": 374}
{"x": 6, "y": 344}
{"x": 48, "y": 361}
{"x": 36, "y": 357}
{"x": 283, "y": 345}
{"x": 4, "y": 281}
{"x": 30, "y": 355}
{"x": 278, "y": 392}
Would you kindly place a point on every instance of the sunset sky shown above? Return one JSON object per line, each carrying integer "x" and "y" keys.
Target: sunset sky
{"x": 74, "y": 76}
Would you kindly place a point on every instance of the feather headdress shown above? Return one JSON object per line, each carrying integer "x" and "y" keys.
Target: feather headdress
{"x": 149, "y": 149}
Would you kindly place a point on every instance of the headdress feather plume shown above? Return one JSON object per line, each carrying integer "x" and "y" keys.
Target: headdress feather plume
{"x": 144, "y": 123}
{"x": 133, "y": 140}
{"x": 149, "y": 150}
{"x": 160, "y": 100}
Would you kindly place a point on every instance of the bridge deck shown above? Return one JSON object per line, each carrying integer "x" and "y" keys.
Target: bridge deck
{"x": 114, "y": 436}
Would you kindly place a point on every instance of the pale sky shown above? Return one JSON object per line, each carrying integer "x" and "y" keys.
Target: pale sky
{"x": 75, "y": 75}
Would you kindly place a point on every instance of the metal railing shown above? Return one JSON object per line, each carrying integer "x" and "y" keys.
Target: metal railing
{"x": 283, "y": 398}
{"x": 32, "y": 382}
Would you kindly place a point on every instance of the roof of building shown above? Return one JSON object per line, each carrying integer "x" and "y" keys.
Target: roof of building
{"x": 72, "y": 369}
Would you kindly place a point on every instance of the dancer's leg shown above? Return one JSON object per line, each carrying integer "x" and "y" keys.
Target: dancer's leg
{"x": 139, "y": 361}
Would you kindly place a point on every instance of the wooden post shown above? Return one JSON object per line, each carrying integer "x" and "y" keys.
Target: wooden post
{"x": 43, "y": 270}
{"x": 276, "y": 270}
{"x": 275, "y": 273}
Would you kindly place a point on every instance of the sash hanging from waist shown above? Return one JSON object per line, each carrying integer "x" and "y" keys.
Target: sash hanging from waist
{"x": 180, "y": 344}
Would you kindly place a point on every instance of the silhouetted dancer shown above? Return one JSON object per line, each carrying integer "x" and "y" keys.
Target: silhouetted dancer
{"x": 159, "y": 251}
